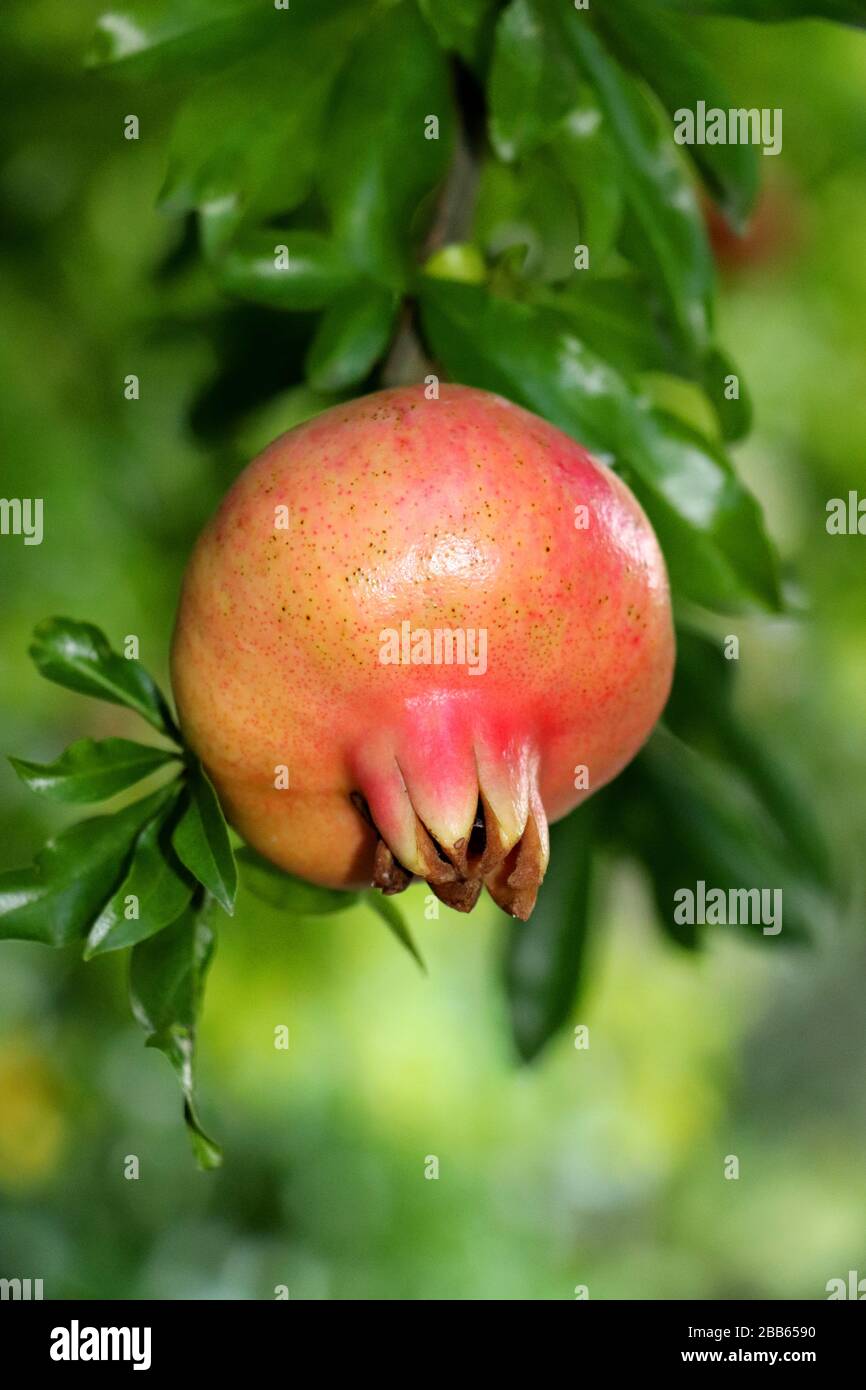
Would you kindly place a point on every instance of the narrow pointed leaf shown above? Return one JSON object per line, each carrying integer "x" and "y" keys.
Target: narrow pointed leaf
{"x": 377, "y": 160}
{"x": 56, "y": 899}
{"x": 459, "y": 25}
{"x": 201, "y": 840}
{"x": 155, "y": 887}
{"x": 532, "y": 81}
{"x": 615, "y": 319}
{"x": 246, "y": 141}
{"x": 285, "y": 268}
{"x": 583, "y": 148}
{"x": 704, "y": 823}
{"x": 701, "y": 711}
{"x": 709, "y": 526}
{"x": 351, "y": 337}
{"x": 659, "y": 48}
{"x": 281, "y": 890}
{"x": 395, "y": 922}
{"x": 146, "y": 39}
{"x": 841, "y": 11}
{"x": 669, "y": 236}
{"x": 79, "y": 656}
{"x": 545, "y": 957}
{"x": 92, "y": 770}
{"x": 166, "y": 984}
{"x": 734, "y": 411}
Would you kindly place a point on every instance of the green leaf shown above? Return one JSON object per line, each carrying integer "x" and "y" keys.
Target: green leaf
{"x": 157, "y": 883}
{"x": 166, "y": 984}
{"x": 659, "y": 48}
{"x": 734, "y": 415}
{"x": 246, "y": 143}
{"x": 703, "y": 823}
{"x": 460, "y": 25}
{"x": 287, "y": 893}
{"x": 92, "y": 771}
{"x": 351, "y": 337}
{"x": 533, "y": 206}
{"x": 532, "y": 82}
{"x": 78, "y": 656}
{"x": 615, "y": 319}
{"x": 394, "y": 921}
{"x": 376, "y": 163}
{"x": 201, "y": 840}
{"x": 56, "y": 899}
{"x": 545, "y": 957}
{"x": 701, "y": 712}
{"x": 842, "y": 11}
{"x": 165, "y": 38}
{"x": 583, "y": 149}
{"x": 709, "y": 526}
{"x": 668, "y": 236}
{"x": 285, "y": 268}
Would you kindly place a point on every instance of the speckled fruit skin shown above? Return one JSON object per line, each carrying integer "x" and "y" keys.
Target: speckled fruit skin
{"x": 458, "y": 512}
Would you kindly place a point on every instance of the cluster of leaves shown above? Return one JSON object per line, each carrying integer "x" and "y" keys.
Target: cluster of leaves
{"x": 308, "y": 127}
{"x": 150, "y": 876}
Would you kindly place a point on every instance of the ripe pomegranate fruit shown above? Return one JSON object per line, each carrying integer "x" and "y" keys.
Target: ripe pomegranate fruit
{"x": 432, "y": 614}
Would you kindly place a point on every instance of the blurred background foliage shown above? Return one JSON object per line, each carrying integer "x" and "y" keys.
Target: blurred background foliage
{"x": 603, "y": 1166}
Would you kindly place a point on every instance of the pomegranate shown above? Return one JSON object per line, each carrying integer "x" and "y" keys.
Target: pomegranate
{"x": 416, "y": 631}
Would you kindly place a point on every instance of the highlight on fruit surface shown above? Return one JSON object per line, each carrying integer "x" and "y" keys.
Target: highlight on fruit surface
{"x": 415, "y": 632}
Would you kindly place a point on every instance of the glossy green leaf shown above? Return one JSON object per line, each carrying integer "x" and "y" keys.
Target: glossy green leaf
{"x": 615, "y": 318}
{"x": 668, "y": 235}
{"x": 377, "y": 162}
{"x": 289, "y": 894}
{"x": 246, "y": 143}
{"x": 582, "y": 147}
{"x": 166, "y": 984}
{"x": 733, "y": 411}
{"x": 78, "y": 656}
{"x": 351, "y": 337}
{"x": 165, "y": 38}
{"x": 683, "y": 400}
{"x": 709, "y": 526}
{"x": 530, "y": 205}
{"x": 146, "y": 39}
{"x": 395, "y": 922}
{"x": 701, "y": 712}
{"x": 155, "y": 889}
{"x": 545, "y": 957}
{"x": 704, "y": 824}
{"x": 285, "y": 268}
{"x": 659, "y": 48}
{"x": 56, "y": 899}
{"x": 92, "y": 770}
{"x": 459, "y": 25}
{"x": 840, "y": 11}
{"x": 532, "y": 82}
{"x": 201, "y": 840}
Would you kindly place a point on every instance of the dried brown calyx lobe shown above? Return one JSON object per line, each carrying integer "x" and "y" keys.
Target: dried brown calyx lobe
{"x": 512, "y": 872}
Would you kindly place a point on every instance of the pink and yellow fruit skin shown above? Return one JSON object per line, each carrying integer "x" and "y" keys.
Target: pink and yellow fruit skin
{"x": 451, "y": 513}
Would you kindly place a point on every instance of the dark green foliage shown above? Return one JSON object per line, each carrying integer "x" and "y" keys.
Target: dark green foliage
{"x": 314, "y": 155}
